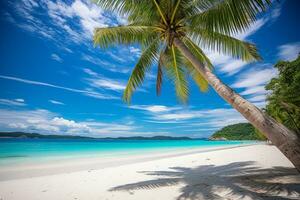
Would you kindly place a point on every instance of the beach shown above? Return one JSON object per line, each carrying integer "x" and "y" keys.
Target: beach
{"x": 255, "y": 171}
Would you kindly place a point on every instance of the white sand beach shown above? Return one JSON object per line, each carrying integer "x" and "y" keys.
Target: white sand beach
{"x": 247, "y": 172}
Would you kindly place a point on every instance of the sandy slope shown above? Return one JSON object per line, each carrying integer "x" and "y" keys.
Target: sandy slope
{"x": 249, "y": 172}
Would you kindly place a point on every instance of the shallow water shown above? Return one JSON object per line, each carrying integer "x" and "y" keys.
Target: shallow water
{"x": 22, "y": 150}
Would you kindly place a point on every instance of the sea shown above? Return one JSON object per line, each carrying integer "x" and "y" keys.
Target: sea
{"x": 18, "y": 150}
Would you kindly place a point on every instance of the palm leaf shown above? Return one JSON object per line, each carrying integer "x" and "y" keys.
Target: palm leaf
{"x": 177, "y": 74}
{"x": 197, "y": 77}
{"x": 159, "y": 77}
{"x": 149, "y": 55}
{"x": 229, "y": 16}
{"x": 197, "y": 52}
{"x": 199, "y": 24}
{"x": 224, "y": 44}
{"x": 106, "y": 37}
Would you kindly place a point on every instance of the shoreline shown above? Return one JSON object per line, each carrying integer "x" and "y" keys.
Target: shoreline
{"x": 96, "y": 162}
{"x": 247, "y": 172}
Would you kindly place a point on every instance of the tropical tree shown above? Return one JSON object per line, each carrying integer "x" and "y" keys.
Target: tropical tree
{"x": 173, "y": 34}
{"x": 284, "y": 99}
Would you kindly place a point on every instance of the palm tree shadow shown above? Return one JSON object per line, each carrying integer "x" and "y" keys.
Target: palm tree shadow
{"x": 238, "y": 180}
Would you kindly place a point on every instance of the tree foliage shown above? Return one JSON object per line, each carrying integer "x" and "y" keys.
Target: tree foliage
{"x": 284, "y": 99}
{"x": 199, "y": 24}
{"x": 241, "y": 131}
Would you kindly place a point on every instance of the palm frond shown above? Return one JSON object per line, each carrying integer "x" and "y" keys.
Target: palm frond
{"x": 159, "y": 77}
{"x": 175, "y": 10}
{"x": 106, "y": 37}
{"x": 176, "y": 72}
{"x": 197, "y": 52}
{"x": 197, "y": 77}
{"x": 192, "y": 8}
{"x": 148, "y": 56}
{"x": 225, "y": 44}
{"x": 229, "y": 16}
{"x": 160, "y": 11}
{"x": 199, "y": 24}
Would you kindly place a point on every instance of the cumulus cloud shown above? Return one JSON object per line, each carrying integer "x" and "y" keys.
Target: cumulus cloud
{"x": 47, "y": 122}
{"x": 89, "y": 15}
{"x": 44, "y": 121}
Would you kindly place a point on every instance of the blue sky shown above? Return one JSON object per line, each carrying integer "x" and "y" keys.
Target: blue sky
{"x": 54, "y": 81}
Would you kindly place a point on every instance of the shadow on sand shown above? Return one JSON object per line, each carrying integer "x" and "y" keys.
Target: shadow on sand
{"x": 239, "y": 180}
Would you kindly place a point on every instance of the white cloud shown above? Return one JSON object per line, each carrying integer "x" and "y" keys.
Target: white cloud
{"x": 90, "y": 72}
{"x": 46, "y": 122}
{"x": 255, "y": 77}
{"x": 231, "y": 66}
{"x": 20, "y": 100}
{"x": 117, "y": 57}
{"x": 289, "y": 51}
{"x": 56, "y": 102}
{"x": 254, "y": 90}
{"x": 179, "y": 116}
{"x": 104, "y": 64}
{"x": 258, "y": 98}
{"x": 84, "y": 92}
{"x": 77, "y": 18}
{"x": 56, "y": 57}
{"x": 252, "y": 29}
{"x": 205, "y": 118}
{"x": 135, "y": 51}
{"x": 12, "y": 102}
{"x": 208, "y": 118}
{"x": 154, "y": 108}
{"x": 39, "y": 120}
{"x": 101, "y": 82}
{"x": 253, "y": 83}
{"x": 225, "y": 63}
{"x": 105, "y": 83}
{"x": 276, "y": 13}
{"x": 89, "y": 15}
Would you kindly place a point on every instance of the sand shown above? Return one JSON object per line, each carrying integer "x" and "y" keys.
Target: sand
{"x": 248, "y": 172}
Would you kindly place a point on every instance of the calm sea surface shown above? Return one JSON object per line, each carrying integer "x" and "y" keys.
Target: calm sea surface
{"x": 17, "y": 150}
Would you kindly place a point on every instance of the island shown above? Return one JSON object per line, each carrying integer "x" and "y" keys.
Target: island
{"x": 42, "y": 136}
{"x": 240, "y": 131}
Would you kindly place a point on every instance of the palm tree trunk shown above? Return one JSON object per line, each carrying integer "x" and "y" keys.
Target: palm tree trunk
{"x": 287, "y": 141}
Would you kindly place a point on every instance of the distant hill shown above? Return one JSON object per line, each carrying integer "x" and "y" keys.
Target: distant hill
{"x": 36, "y": 135}
{"x": 241, "y": 131}
{"x": 40, "y": 136}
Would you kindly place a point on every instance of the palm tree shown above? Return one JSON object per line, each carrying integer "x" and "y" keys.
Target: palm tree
{"x": 171, "y": 34}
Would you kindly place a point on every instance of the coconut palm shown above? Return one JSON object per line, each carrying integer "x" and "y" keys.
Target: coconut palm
{"x": 173, "y": 34}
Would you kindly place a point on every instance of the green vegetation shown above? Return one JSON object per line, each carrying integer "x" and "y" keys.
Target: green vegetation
{"x": 241, "y": 131}
{"x": 173, "y": 34}
{"x": 284, "y": 100}
{"x": 160, "y": 27}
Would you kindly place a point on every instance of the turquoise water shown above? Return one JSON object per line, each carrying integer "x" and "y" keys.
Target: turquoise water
{"x": 17, "y": 150}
